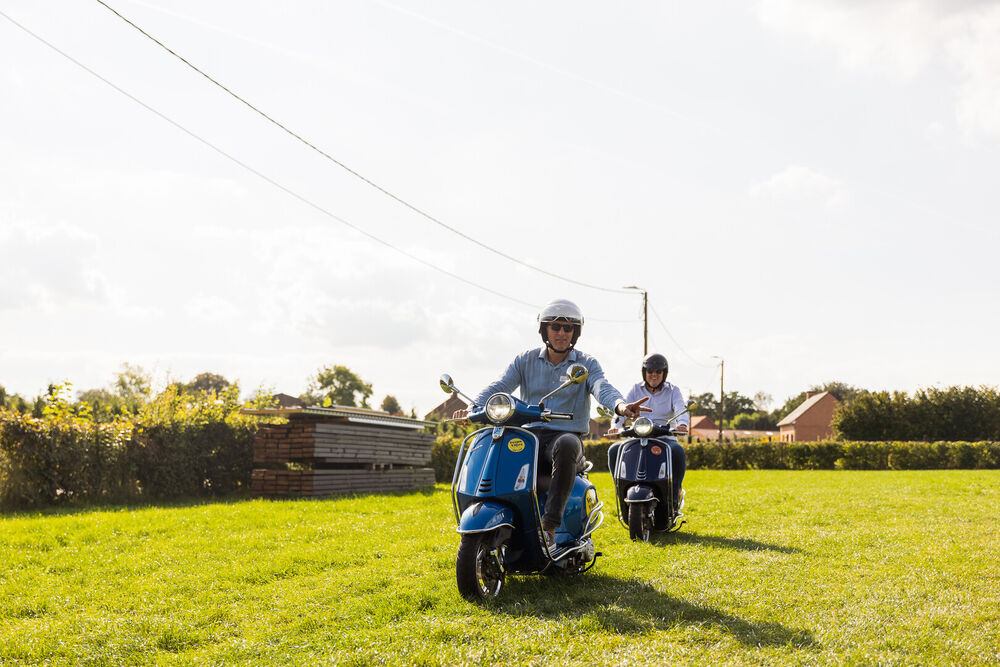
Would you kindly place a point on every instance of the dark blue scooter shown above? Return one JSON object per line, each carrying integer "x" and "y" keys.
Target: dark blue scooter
{"x": 498, "y": 496}
{"x": 642, "y": 472}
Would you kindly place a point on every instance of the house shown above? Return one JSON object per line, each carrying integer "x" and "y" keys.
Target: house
{"x": 703, "y": 428}
{"x": 287, "y": 401}
{"x": 598, "y": 430}
{"x": 811, "y": 420}
{"x": 446, "y": 409}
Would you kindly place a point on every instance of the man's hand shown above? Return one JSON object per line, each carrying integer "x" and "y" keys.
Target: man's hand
{"x": 460, "y": 415}
{"x": 681, "y": 428}
{"x": 636, "y": 408}
{"x": 613, "y": 431}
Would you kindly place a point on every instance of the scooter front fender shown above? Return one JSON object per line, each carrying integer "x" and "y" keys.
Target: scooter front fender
{"x": 484, "y": 517}
{"x": 640, "y": 493}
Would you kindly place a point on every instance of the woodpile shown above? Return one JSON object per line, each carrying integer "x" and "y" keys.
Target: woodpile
{"x": 339, "y": 450}
{"x": 323, "y": 482}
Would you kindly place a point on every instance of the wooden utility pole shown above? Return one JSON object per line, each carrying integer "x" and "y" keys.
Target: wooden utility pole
{"x": 645, "y": 323}
{"x": 722, "y": 395}
{"x": 645, "y": 318}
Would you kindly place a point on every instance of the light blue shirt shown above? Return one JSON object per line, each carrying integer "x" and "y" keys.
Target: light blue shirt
{"x": 665, "y": 403}
{"x": 535, "y": 376}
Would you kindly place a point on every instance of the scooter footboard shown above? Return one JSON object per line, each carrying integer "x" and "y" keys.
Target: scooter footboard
{"x": 485, "y": 516}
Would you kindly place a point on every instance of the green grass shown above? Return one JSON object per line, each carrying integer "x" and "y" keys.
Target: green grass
{"x": 773, "y": 567}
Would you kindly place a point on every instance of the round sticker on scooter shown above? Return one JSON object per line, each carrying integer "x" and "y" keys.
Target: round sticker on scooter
{"x": 655, "y": 450}
{"x": 515, "y": 445}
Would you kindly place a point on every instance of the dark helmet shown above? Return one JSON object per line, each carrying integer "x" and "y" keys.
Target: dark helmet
{"x": 560, "y": 310}
{"x": 655, "y": 362}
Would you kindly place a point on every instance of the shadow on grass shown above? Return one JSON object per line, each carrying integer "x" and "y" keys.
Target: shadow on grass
{"x": 633, "y": 607}
{"x": 741, "y": 543}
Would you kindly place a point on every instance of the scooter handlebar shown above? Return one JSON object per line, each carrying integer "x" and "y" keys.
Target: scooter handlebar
{"x": 559, "y": 415}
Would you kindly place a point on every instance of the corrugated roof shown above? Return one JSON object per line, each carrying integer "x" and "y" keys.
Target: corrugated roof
{"x": 355, "y": 415}
{"x": 802, "y": 409}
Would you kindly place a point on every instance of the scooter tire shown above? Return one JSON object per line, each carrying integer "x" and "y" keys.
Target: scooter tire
{"x": 476, "y": 571}
{"x": 638, "y": 522}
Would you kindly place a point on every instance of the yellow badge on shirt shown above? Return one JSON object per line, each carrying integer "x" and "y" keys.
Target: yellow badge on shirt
{"x": 515, "y": 445}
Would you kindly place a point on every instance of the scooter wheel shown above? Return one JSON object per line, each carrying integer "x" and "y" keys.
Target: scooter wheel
{"x": 477, "y": 571}
{"x": 638, "y": 522}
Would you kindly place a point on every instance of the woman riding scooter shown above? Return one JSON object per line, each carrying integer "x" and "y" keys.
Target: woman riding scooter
{"x": 665, "y": 400}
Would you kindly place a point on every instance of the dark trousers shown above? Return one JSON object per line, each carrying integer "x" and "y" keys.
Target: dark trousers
{"x": 562, "y": 453}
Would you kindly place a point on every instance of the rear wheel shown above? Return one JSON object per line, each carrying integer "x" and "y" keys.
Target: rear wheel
{"x": 477, "y": 570}
{"x": 638, "y": 522}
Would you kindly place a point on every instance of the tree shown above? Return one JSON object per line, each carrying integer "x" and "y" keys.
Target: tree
{"x": 208, "y": 383}
{"x": 736, "y": 403}
{"x": 762, "y": 401}
{"x": 134, "y": 386}
{"x": 104, "y": 406}
{"x": 337, "y": 385}
{"x": 391, "y": 405}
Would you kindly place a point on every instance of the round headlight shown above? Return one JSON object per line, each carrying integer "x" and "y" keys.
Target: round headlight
{"x": 643, "y": 426}
{"x": 499, "y": 407}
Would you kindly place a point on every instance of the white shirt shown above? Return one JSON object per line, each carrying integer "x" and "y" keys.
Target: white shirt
{"x": 665, "y": 403}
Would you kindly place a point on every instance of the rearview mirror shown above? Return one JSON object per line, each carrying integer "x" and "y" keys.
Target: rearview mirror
{"x": 578, "y": 374}
{"x": 446, "y": 384}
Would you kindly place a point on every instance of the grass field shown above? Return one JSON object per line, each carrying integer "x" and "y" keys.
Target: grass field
{"x": 772, "y": 567}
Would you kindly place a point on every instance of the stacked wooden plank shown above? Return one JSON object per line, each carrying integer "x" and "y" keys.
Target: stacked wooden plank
{"x": 344, "y": 443}
{"x": 339, "y": 451}
{"x": 323, "y": 482}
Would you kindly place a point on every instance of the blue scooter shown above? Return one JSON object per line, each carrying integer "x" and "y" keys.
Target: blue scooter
{"x": 498, "y": 495}
{"x": 642, "y": 471}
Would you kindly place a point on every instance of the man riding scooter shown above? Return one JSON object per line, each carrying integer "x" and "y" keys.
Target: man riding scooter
{"x": 537, "y": 372}
{"x": 664, "y": 400}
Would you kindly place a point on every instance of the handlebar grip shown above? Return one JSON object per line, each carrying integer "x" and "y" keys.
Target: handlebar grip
{"x": 560, "y": 415}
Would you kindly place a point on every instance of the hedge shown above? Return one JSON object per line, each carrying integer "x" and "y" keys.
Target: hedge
{"x": 821, "y": 455}
{"x": 66, "y": 460}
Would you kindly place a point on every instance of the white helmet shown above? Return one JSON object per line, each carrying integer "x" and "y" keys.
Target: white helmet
{"x": 560, "y": 309}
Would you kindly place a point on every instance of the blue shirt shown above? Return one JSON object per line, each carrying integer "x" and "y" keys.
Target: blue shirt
{"x": 535, "y": 375}
{"x": 665, "y": 403}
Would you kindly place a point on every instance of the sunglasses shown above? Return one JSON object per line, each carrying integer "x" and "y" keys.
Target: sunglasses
{"x": 654, "y": 371}
{"x": 556, "y": 326}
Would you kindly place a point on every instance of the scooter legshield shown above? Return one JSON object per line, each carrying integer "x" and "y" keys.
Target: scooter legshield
{"x": 485, "y": 516}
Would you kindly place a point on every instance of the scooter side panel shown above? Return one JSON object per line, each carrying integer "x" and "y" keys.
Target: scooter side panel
{"x": 582, "y": 500}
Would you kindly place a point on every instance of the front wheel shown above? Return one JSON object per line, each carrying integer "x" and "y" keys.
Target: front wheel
{"x": 477, "y": 569}
{"x": 638, "y": 522}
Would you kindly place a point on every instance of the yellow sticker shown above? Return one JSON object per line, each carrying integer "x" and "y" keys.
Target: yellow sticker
{"x": 515, "y": 445}
{"x": 591, "y": 500}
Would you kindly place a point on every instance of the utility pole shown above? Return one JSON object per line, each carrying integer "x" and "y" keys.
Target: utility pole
{"x": 645, "y": 318}
{"x": 722, "y": 392}
{"x": 722, "y": 395}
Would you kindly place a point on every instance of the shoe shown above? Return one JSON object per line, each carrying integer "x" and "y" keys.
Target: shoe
{"x": 550, "y": 539}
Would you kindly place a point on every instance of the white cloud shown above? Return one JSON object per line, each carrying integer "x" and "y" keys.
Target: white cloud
{"x": 48, "y": 266}
{"x": 797, "y": 183}
{"x": 902, "y": 38}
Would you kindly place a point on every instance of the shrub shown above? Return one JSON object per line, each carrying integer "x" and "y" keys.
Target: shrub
{"x": 179, "y": 445}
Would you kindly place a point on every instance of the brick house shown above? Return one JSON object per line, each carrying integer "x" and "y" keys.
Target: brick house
{"x": 446, "y": 409}
{"x": 703, "y": 428}
{"x": 811, "y": 420}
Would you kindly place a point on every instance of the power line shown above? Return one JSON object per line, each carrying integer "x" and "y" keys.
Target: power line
{"x": 658, "y": 319}
{"x": 263, "y": 176}
{"x": 340, "y": 164}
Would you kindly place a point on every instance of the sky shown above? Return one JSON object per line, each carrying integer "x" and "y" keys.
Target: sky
{"x": 808, "y": 190}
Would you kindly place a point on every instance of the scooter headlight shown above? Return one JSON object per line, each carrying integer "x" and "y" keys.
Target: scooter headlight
{"x": 499, "y": 407}
{"x": 643, "y": 426}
